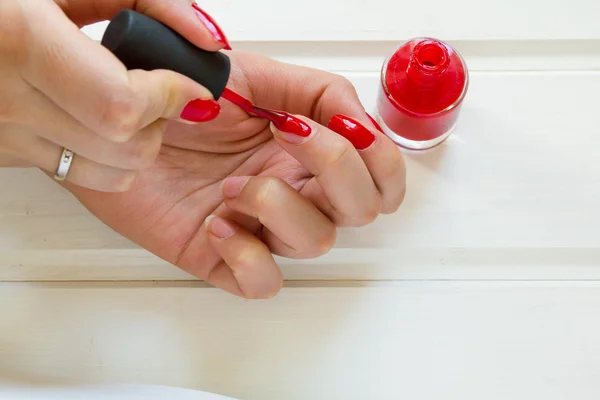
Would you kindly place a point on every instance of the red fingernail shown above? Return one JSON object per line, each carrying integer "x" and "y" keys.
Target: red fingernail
{"x": 291, "y": 129}
{"x": 201, "y": 110}
{"x": 360, "y": 137}
{"x": 293, "y": 125}
{"x": 212, "y": 26}
{"x": 219, "y": 227}
{"x": 375, "y": 124}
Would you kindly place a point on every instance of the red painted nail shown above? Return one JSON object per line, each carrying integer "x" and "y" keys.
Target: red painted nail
{"x": 201, "y": 110}
{"x": 375, "y": 124}
{"x": 212, "y": 26}
{"x": 291, "y": 129}
{"x": 293, "y": 125}
{"x": 354, "y": 131}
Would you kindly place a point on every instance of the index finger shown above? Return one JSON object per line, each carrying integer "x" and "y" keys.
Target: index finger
{"x": 91, "y": 84}
{"x": 296, "y": 89}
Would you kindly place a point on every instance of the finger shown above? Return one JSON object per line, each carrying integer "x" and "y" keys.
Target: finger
{"x": 298, "y": 89}
{"x": 381, "y": 156}
{"x": 61, "y": 128}
{"x": 46, "y": 155}
{"x": 338, "y": 169}
{"x": 322, "y": 96}
{"x": 87, "y": 81}
{"x": 295, "y": 228}
{"x": 184, "y": 16}
{"x": 249, "y": 269}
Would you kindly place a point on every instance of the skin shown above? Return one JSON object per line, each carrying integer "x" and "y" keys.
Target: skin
{"x": 59, "y": 88}
{"x": 218, "y": 199}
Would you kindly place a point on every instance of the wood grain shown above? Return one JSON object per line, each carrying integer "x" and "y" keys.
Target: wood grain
{"x": 341, "y": 20}
{"x": 411, "y": 340}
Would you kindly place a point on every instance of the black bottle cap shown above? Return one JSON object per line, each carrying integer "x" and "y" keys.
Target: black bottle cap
{"x": 141, "y": 42}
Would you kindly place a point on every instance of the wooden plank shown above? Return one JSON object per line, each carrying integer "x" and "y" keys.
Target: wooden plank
{"x": 404, "y": 264}
{"x": 490, "y": 55}
{"x": 342, "y": 20}
{"x": 516, "y": 186}
{"x": 414, "y": 341}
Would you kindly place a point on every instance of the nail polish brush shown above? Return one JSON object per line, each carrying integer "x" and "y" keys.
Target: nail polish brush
{"x": 141, "y": 42}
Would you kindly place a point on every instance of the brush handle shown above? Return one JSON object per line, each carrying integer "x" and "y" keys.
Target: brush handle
{"x": 141, "y": 42}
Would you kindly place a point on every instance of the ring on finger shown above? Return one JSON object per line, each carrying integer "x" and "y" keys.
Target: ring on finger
{"x": 64, "y": 165}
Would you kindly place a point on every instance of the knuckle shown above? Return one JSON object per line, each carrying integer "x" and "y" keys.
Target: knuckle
{"x": 372, "y": 214}
{"x": 241, "y": 264}
{"x": 242, "y": 260}
{"x": 123, "y": 112}
{"x": 326, "y": 241}
{"x": 336, "y": 153}
{"x": 367, "y": 216}
{"x": 394, "y": 204}
{"x": 345, "y": 83}
{"x": 393, "y": 177}
{"x": 265, "y": 193}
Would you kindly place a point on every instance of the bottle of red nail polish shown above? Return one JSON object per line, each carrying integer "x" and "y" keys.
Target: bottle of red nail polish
{"x": 422, "y": 88}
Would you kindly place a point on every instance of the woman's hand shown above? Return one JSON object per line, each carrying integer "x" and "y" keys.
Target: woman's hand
{"x": 265, "y": 191}
{"x": 60, "y": 89}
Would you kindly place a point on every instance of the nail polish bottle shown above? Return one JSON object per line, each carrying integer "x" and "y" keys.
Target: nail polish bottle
{"x": 422, "y": 88}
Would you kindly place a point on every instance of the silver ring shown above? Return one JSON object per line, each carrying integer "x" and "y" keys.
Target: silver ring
{"x": 64, "y": 165}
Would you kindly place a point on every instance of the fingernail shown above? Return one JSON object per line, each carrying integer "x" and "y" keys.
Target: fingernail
{"x": 212, "y": 26}
{"x": 201, "y": 110}
{"x": 375, "y": 124}
{"x": 219, "y": 227}
{"x": 292, "y": 129}
{"x": 232, "y": 187}
{"x": 360, "y": 137}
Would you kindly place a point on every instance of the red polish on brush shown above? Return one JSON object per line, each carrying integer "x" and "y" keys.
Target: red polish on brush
{"x": 282, "y": 120}
{"x": 422, "y": 88}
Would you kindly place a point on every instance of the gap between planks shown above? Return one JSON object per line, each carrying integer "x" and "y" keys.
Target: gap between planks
{"x": 302, "y": 284}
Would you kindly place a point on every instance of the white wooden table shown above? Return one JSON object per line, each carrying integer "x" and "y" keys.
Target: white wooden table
{"x": 486, "y": 285}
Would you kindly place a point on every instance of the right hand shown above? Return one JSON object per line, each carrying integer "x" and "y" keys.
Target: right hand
{"x": 60, "y": 89}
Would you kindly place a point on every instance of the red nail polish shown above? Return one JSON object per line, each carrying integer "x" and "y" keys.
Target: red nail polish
{"x": 282, "y": 120}
{"x": 423, "y": 85}
{"x": 360, "y": 137}
{"x": 289, "y": 124}
{"x": 201, "y": 110}
{"x": 212, "y": 26}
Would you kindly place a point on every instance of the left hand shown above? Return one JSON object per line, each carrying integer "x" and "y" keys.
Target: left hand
{"x": 269, "y": 193}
